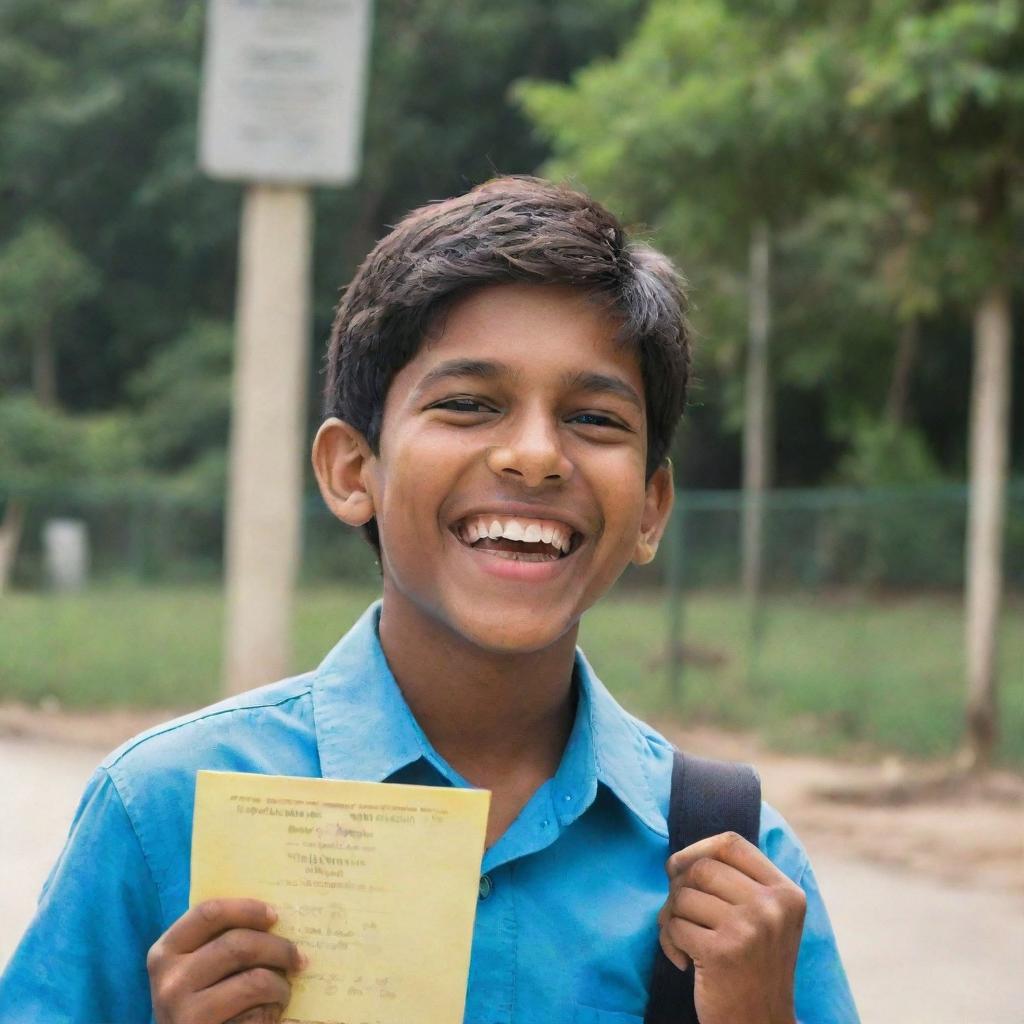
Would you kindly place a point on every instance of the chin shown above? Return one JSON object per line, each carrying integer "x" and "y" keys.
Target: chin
{"x": 524, "y": 633}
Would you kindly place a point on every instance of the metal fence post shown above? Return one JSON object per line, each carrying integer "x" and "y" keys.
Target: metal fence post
{"x": 675, "y": 536}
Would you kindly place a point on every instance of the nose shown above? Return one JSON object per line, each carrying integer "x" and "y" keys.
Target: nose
{"x": 532, "y": 452}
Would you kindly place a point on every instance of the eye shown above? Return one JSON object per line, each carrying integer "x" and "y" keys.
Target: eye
{"x": 467, "y": 405}
{"x": 596, "y": 419}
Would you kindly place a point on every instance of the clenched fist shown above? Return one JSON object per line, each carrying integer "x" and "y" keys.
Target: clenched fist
{"x": 737, "y": 919}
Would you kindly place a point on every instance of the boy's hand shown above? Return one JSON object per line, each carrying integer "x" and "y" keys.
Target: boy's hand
{"x": 218, "y": 963}
{"x": 737, "y": 919}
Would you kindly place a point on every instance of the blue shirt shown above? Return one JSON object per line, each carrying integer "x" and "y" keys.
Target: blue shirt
{"x": 565, "y": 926}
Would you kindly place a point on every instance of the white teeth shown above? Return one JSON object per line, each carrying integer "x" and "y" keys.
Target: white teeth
{"x": 514, "y": 530}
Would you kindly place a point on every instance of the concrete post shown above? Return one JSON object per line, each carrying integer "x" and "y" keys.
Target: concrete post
{"x": 268, "y": 450}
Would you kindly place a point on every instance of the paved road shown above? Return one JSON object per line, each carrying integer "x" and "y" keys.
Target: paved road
{"x": 917, "y": 951}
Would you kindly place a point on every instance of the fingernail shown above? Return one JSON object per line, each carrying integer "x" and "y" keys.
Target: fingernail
{"x": 271, "y": 914}
{"x": 303, "y": 960}
{"x": 210, "y": 909}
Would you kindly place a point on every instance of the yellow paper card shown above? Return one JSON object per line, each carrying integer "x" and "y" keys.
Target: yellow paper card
{"x": 377, "y": 883}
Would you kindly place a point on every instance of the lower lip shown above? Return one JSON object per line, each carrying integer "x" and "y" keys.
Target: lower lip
{"x": 514, "y": 569}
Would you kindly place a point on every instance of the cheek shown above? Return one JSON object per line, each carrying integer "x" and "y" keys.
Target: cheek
{"x": 409, "y": 502}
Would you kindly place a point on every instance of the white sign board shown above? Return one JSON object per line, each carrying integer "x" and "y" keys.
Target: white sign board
{"x": 283, "y": 87}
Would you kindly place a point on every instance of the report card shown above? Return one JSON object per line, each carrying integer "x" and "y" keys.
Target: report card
{"x": 376, "y": 883}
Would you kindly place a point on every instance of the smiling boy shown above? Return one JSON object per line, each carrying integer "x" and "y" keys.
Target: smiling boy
{"x": 504, "y": 377}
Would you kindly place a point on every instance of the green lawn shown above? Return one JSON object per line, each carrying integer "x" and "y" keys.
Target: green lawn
{"x": 828, "y": 674}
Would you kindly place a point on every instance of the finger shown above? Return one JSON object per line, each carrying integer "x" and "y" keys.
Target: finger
{"x": 732, "y": 849}
{"x": 200, "y": 924}
{"x": 681, "y": 938}
{"x": 675, "y": 956}
{"x": 256, "y": 987}
{"x": 239, "y": 949}
{"x": 698, "y": 907}
{"x": 259, "y": 1015}
{"x": 718, "y": 879}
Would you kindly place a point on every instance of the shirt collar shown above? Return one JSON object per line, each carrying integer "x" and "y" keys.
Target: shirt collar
{"x": 364, "y": 728}
{"x": 622, "y": 758}
{"x": 366, "y": 731}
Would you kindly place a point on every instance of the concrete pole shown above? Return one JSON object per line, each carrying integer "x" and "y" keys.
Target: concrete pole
{"x": 757, "y": 431}
{"x": 268, "y": 420}
{"x": 989, "y": 458}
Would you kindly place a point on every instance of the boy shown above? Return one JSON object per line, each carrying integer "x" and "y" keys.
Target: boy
{"x": 504, "y": 376}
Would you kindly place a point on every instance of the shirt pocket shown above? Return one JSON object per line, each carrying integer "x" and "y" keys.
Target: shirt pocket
{"x": 592, "y": 1015}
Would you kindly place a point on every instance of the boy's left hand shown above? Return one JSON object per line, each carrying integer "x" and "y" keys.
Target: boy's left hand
{"x": 737, "y": 919}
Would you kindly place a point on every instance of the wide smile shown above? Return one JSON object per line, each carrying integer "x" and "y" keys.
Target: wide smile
{"x": 517, "y": 547}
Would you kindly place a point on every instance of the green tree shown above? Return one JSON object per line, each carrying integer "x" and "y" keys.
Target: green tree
{"x": 98, "y": 109}
{"x": 42, "y": 278}
{"x": 940, "y": 91}
{"x": 45, "y": 450}
{"x": 717, "y": 125}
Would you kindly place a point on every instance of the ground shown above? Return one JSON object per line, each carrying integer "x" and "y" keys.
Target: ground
{"x": 927, "y": 894}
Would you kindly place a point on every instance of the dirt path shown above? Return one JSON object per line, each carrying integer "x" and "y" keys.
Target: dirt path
{"x": 927, "y": 898}
{"x": 971, "y": 834}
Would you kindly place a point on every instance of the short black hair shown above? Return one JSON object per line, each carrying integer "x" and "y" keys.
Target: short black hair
{"x": 514, "y": 228}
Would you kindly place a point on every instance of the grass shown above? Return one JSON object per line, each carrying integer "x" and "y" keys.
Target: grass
{"x": 828, "y": 675}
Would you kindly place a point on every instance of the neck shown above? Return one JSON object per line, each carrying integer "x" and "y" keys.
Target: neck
{"x": 494, "y": 717}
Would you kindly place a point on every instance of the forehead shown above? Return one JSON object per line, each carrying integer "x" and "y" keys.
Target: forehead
{"x": 531, "y": 328}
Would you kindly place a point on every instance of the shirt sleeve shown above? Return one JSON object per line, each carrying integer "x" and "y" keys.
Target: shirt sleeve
{"x": 83, "y": 958}
{"x": 822, "y": 992}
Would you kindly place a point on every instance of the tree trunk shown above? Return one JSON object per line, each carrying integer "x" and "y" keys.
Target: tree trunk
{"x": 10, "y": 537}
{"x": 899, "y": 382}
{"x": 757, "y": 430}
{"x": 44, "y": 365}
{"x": 989, "y": 451}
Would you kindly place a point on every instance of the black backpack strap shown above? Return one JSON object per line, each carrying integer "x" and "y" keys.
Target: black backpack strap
{"x": 708, "y": 797}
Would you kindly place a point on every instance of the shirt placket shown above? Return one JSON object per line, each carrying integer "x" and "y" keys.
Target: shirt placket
{"x": 491, "y": 997}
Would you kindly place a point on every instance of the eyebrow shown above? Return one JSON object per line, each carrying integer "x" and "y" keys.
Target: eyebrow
{"x": 458, "y": 368}
{"x": 603, "y": 383}
{"x": 481, "y": 369}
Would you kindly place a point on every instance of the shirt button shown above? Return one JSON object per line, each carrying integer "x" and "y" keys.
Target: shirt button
{"x": 486, "y": 886}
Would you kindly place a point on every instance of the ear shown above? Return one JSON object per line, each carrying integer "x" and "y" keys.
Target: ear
{"x": 657, "y": 508}
{"x": 341, "y": 460}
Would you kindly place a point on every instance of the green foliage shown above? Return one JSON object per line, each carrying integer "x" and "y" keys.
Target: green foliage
{"x": 37, "y": 447}
{"x": 880, "y": 140}
{"x": 706, "y": 121}
{"x": 886, "y": 454}
{"x": 184, "y": 398}
{"x": 99, "y": 138}
{"x": 716, "y": 116}
{"x": 40, "y": 274}
{"x": 42, "y": 277}
{"x": 45, "y": 450}
{"x": 939, "y": 91}
{"x": 98, "y": 109}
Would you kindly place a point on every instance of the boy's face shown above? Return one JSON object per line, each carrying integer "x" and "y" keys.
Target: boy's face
{"x": 521, "y": 419}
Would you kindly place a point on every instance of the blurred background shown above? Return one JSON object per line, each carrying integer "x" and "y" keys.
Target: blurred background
{"x": 841, "y": 183}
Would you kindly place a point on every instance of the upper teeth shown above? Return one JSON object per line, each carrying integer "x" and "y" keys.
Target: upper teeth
{"x": 529, "y": 531}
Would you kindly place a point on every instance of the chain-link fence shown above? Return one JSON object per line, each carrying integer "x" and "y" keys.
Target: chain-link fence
{"x": 893, "y": 540}
{"x": 857, "y": 635}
